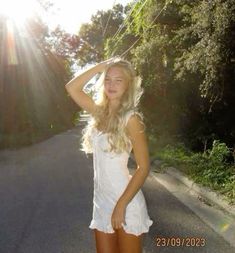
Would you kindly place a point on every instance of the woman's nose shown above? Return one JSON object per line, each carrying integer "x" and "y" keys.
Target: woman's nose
{"x": 112, "y": 83}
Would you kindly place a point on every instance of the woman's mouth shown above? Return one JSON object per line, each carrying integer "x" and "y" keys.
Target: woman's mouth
{"x": 112, "y": 91}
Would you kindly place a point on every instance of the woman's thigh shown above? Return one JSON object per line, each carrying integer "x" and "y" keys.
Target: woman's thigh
{"x": 106, "y": 242}
{"x": 129, "y": 243}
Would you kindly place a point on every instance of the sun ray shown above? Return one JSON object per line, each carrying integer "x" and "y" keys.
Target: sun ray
{"x": 19, "y": 11}
{"x": 11, "y": 47}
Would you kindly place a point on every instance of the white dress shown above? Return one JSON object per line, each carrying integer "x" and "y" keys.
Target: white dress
{"x": 111, "y": 176}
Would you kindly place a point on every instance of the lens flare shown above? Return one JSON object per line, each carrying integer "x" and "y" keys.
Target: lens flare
{"x": 18, "y": 11}
{"x": 11, "y": 47}
{"x": 224, "y": 226}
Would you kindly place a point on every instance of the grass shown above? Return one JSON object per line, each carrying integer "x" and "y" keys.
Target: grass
{"x": 209, "y": 169}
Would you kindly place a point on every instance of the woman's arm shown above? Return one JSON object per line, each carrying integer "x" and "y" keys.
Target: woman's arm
{"x": 76, "y": 85}
{"x": 140, "y": 147}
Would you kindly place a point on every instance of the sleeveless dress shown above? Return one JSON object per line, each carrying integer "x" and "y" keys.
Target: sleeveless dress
{"x": 111, "y": 177}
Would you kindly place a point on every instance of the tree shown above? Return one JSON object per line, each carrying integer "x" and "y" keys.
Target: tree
{"x": 206, "y": 42}
{"x": 94, "y": 35}
{"x": 32, "y": 95}
{"x": 208, "y": 26}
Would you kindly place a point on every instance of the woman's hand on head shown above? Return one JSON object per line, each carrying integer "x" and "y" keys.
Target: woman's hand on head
{"x": 104, "y": 64}
{"x": 110, "y": 60}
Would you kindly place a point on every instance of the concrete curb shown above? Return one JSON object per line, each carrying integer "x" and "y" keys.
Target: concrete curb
{"x": 222, "y": 223}
{"x": 211, "y": 196}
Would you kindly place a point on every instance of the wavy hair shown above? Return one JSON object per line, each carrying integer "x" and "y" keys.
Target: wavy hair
{"x": 115, "y": 121}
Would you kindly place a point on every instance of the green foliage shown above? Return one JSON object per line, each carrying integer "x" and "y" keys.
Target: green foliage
{"x": 164, "y": 98}
{"x": 209, "y": 168}
{"x": 218, "y": 153}
{"x": 95, "y": 34}
{"x": 206, "y": 36}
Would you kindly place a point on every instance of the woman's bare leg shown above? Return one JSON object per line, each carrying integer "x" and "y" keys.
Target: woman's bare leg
{"x": 129, "y": 243}
{"x": 106, "y": 242}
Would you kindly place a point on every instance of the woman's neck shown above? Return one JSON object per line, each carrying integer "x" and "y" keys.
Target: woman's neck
{"x": 113, "y": 105}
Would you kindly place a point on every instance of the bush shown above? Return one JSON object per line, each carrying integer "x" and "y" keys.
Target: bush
{"x": 209, "y": 168}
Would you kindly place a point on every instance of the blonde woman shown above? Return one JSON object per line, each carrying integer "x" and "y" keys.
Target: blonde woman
{"x": 120, "y": 215}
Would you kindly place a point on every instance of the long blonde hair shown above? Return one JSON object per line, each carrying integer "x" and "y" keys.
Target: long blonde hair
{"x": 116, "y": 121}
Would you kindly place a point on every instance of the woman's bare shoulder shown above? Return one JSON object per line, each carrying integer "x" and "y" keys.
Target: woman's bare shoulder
{"x": 134, "y": 123}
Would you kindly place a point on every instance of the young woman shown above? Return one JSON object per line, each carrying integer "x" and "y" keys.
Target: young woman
{"x": 120, "y": 214}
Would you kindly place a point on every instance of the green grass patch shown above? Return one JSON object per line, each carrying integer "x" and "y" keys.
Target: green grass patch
{"x": 209, "y": 169}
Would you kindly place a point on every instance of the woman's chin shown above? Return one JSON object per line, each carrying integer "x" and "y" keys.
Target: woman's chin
{"x": 112, "y": 96}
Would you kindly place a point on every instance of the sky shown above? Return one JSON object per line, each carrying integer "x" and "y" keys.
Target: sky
{"x": 70, "y": 14}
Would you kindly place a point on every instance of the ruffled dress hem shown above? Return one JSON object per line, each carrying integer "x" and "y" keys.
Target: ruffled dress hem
{"x": 130, "y": 229}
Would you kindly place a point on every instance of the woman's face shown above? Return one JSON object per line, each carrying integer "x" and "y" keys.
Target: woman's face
{"x": 115, "y": 83}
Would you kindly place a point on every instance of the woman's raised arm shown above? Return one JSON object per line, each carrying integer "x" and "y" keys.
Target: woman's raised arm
{"x": 75, "y": 86}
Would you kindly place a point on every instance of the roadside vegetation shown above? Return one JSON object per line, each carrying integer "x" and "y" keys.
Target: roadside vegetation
{"x": 213, "y": 168}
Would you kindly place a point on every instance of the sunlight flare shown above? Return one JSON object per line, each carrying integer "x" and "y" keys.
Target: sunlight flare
{"x": 11, "y": 47}
{"x": 18, "y": 11}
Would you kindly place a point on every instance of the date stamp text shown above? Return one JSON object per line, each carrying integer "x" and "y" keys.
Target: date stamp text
{"x": 180, "y": 241}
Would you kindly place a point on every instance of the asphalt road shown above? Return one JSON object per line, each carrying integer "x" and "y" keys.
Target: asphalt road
{"x": 46, "y": 193}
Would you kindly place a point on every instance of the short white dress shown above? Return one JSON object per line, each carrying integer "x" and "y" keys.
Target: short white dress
{"x": 111, "y": 177}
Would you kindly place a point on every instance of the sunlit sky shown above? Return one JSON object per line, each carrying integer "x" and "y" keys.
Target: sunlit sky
{"x": 74, "y": 12}
{"x": 69, "y": 14}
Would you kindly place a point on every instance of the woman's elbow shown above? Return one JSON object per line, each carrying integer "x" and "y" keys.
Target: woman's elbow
{"x": 144, "y": 170}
